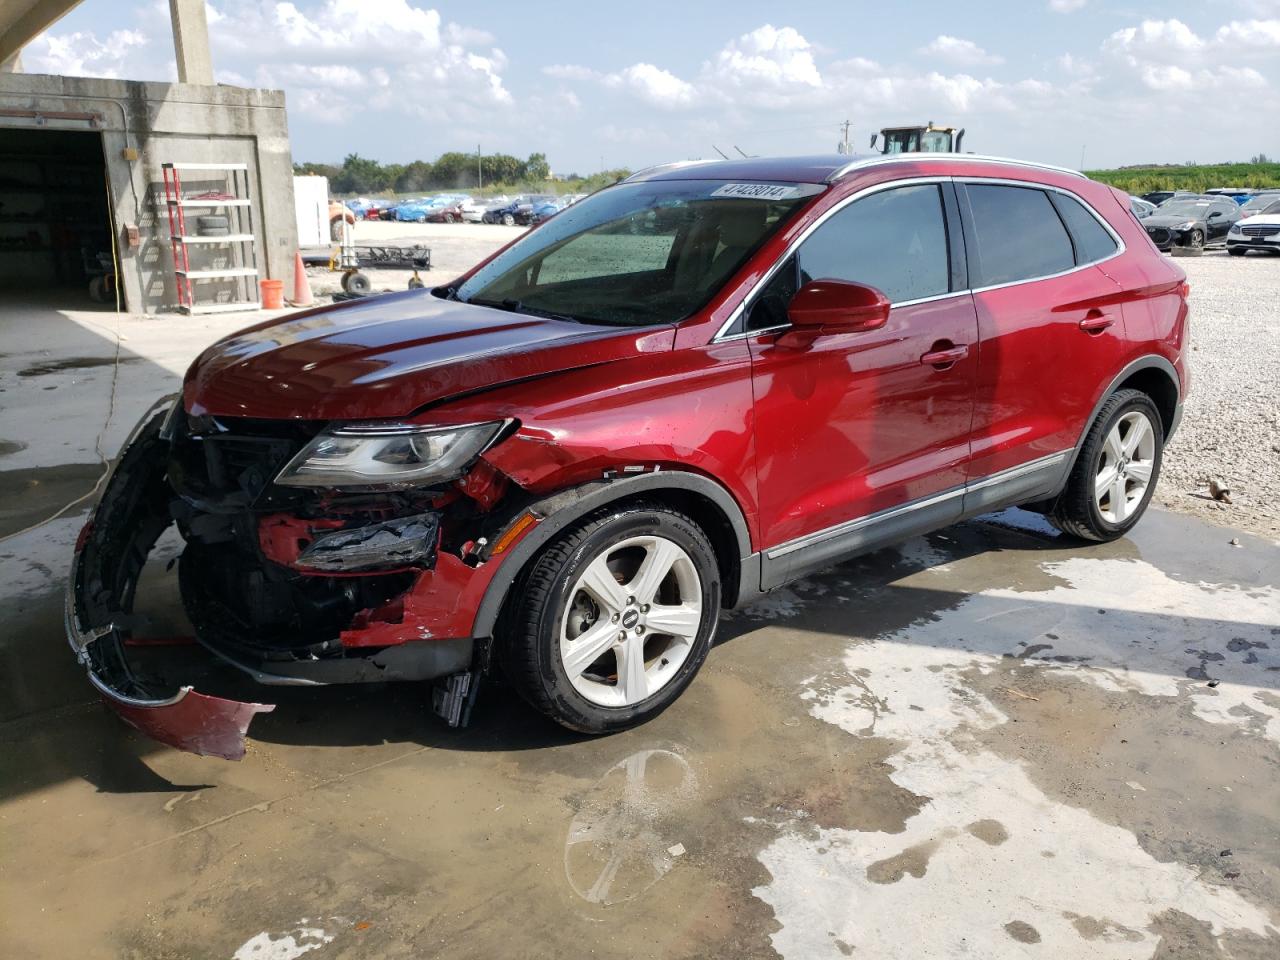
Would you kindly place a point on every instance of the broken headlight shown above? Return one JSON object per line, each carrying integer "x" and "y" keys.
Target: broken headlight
{"x": 384, "y": 456}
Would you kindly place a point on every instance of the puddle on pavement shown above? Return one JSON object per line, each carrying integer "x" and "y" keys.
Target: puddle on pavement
{"x": 46, "y": 367}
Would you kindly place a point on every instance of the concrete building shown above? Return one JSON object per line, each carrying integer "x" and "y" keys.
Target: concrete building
{"x": 82, "y": 184}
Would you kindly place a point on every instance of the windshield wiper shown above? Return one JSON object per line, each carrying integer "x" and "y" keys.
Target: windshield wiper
{"x": 518, "y": 306}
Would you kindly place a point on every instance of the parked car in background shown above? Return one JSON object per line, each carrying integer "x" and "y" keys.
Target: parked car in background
{"x": 1260, "y": 202}
{"x": 448, "y": 212}
{"x": 1191, "y": 222}
{"x": 476, "y": 212}
{"x": 1261, "y": 231}
{"x": 796, "y": 363}
{"x": 1240, "y": 195}
{"x": 1141, "y": 208}
{"x": 420, "y": 210}
{"x": 375, "y": 209}
{"x": 545, "y": 210}
{"x": 1161, "y": 196}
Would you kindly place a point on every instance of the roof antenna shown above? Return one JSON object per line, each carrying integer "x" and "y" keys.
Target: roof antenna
{"x": 719, "y": 151}
{"x": 739, "y": 149}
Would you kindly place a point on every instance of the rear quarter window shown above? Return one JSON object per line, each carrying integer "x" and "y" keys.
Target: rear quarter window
{"x": 1020, "y": 235}
{"x": 1091, "y": 239}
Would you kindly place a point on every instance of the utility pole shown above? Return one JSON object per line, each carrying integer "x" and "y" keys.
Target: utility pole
{"x": 844, "y": 142}
{"x": 479, "y": 168}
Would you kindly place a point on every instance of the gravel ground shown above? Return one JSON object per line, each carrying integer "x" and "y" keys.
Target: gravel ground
{"x": 1231, "y": 423}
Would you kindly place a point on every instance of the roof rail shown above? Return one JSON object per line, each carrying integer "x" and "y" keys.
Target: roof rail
{"x": 660, "y": 167}
{"x": 865, "y": 162}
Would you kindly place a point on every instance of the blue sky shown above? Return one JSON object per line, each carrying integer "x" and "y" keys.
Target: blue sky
{"x": 627, "y": 84}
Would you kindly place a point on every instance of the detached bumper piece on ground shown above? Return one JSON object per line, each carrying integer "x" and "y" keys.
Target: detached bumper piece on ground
{"x": 295, "y": 629}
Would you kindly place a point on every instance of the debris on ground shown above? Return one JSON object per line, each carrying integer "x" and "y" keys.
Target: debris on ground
{"x": 1219, "y": 492}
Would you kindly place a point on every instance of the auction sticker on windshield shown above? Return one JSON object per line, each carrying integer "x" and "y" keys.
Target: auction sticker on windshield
{"x": 757, "y": 191}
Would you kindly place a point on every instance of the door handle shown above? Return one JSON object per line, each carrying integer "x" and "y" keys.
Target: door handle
{"x": 1095, "y": 321}
{"x": 945, "y": 358}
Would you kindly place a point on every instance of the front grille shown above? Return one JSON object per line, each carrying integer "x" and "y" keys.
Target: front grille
{"x": 1159, "y": 234}
{"x": 1264, "y": 231}
{"x": 230, "y": 462}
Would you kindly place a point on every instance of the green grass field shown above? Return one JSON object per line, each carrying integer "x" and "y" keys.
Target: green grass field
{"x": 1139, "y": 180}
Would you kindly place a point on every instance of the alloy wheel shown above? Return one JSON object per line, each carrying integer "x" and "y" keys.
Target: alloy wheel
{"x": 631, "y": 621}
{"x": 1125, "y": 467}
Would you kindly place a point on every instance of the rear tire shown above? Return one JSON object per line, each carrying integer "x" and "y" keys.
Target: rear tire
{"x": 587, "y": 648}
{"x": 1115, "y": 474}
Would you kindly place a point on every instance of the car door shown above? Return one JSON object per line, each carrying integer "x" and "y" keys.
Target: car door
{"x": 1222, "y": 214}
{"x": 1050, "y": 332}
{"x": 863, "y": 437}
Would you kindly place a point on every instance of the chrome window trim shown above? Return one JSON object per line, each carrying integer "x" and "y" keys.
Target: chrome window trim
{"x": 867, "y": 162}
{"x": 722, "y": 336}
{"x": 858, "y": 523}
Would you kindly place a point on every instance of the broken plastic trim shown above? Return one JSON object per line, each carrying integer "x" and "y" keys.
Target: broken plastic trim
{"x": 187, "y": 720}
{"x": 403, "y": 542}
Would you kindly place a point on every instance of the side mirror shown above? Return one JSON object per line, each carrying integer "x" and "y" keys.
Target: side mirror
{"x": 837, "y": 306}
{"x": 1215, "y": 214}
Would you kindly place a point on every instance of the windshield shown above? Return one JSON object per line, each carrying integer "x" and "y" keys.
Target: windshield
{"x": 1185, "y": 208}
{"x": 638, "y": 253}
{"x": 1262, "y": 204}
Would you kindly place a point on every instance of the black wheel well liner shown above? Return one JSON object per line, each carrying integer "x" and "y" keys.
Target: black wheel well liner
{"x": 1160, "y": 385}
{"x": 701, "y": 498}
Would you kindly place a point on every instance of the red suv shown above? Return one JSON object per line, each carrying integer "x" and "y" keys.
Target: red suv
{"x": 691, "y": 388}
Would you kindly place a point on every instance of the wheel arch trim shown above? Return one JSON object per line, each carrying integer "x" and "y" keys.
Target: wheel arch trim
{"x": 1151, "y": 361}
{"x": 566, "y": 507}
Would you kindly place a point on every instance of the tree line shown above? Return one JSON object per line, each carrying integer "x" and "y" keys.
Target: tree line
{"x": 449, "y": 171}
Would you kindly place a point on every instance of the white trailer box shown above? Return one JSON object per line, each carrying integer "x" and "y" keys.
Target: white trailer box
{"x": 311, "y": 199}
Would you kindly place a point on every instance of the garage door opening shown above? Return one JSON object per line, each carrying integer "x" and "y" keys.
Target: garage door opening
{"x": 55, "y": 221}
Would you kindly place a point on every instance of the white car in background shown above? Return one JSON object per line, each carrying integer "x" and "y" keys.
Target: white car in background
{"x": 474, "y": 212}
{"x": 1141, "y": 208}
{"x": 1258, "y": 232}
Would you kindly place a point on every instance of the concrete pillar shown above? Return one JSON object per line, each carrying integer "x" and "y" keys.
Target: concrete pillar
{"x": 191, "y": 41}
{"x": 13, "y": 64}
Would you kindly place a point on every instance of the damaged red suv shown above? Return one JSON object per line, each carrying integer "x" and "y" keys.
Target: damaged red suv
{"x": 691, "y": 388}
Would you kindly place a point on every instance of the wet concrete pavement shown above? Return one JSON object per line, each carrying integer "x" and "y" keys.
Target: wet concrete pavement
{"x": 989, "y": 742}
{"x": 986, "y": 743}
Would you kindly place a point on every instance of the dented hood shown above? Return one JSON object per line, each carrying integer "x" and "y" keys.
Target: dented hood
{"x": 389, "y": 356}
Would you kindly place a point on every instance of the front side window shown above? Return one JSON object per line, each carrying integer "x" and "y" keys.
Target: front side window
{"x": 894, "y": 240}
{"x": 1020, "y": 235}
{"x": 638, "y": 253}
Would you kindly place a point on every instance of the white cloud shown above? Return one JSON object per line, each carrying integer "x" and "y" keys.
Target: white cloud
{"x": 1250, "y": 35}
{"x": 766, "y": 56}
{"x": 965, "y": 53}
{"x": 82, "y": 54}
{"x": 1162, "y": 40}
{"x": 1066, "y": 6}
{"x": 655, "y": 85}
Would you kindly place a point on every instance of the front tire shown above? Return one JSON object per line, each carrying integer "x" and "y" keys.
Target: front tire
{"x": 1115, "y": 474}
{"x": 616, "y": 618}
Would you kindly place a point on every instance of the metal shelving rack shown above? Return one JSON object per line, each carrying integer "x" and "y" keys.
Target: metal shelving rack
{"x": 240, "y": 238}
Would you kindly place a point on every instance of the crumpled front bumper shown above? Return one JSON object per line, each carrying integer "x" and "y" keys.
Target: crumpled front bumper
{"x": 98, "y": 607}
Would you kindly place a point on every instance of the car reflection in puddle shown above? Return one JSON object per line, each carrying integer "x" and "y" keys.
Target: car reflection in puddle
{"x": 627, "y": 833}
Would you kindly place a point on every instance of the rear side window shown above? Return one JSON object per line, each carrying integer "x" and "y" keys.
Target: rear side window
{"x": 894, "y": 240}
{"x": 1092, "y": 241}
{"x": 1020, "y": 235}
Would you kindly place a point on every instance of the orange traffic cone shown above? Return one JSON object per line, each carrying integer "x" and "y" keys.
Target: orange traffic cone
{"x": 301, "y": 285}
